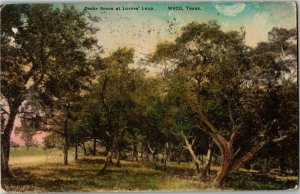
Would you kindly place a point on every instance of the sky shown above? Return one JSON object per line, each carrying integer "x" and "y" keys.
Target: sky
{"x": 144, "y": 29}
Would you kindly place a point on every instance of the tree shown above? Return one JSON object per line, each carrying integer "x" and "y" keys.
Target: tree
{"x": 36, "y": 42}
{"x": 183, "y": 124}
{"x": 53, "y": 140}
{"x": 111, "y": 109}
{"x": 26, "y": 133}
{"x": 217, "y": 66}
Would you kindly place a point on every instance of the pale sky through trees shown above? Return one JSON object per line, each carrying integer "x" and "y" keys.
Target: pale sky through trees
{"x": 143, "y": 29}
{"x": 117, "y": 28}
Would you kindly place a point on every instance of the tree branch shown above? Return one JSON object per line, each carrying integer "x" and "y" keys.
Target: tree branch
{"x": 150, "y": 149}
{"x": 51, "y": 130}
{"x": 3, "y": 110}
{"x": 210, "y": 127}
{"x": 248, "y": 156}
{"x": 189, "y": 147}
{"x": 234, "y": 135}
{"x": 276, "y": 140}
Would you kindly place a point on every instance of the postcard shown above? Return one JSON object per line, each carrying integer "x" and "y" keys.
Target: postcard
{"x": 149, "y": 96}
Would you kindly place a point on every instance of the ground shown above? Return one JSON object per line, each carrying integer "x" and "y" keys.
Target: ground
{"x": 42, "y": 170}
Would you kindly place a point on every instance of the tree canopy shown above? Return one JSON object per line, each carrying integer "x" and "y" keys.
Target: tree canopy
{"x": 218, "y": 97}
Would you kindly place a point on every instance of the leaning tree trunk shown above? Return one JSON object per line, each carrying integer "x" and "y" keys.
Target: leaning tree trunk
{"x": 227, "y": 159}
{"x": 107, "y": 161}
{"x": 189, "y": 147}
{"x": 5, "y": 141}
{"x": 109, "y": 156}
{"x": 66, "y": 146}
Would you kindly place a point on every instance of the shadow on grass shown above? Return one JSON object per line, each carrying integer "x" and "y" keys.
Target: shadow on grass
{"x": 24, "y": 180}
{"x": 82, "y": 176}
{"x": 90, "y": 161}
{"x": 257, "y": 181}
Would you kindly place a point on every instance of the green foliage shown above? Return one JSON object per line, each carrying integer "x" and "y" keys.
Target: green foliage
{"x": 53, "y": 140}
{"x": 236, "y": 90}
{"x": 47, "y": 69}
{"x": 253, "y": 181}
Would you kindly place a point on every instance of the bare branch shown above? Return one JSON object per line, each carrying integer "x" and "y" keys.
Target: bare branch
{"x": 234, "y": 135}
{"x": 193, "y": 141}
{"x": 150, "y": 149}
{"x": 237, "y": 152}
{"x": 190, "y": 149}
{"x": 280, "y": 138}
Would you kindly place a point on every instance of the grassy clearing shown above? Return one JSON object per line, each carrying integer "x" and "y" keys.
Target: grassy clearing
{"x": 82, "y": 176}
{"x": 22, "y": 156}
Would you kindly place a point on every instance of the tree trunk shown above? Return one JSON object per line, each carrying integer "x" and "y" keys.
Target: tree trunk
{"x": 229, "y": 163}
{"x": 94, "y": 147}
{"x": 189, "y": 147}
{"x": 118, "y": 163}
{"x": 5, "y": 141}
{"x": 66, "y": 152}
{"x": 84, "y": 149}
{"x": 107, "y": 161}
{"x": 153, "y": 156}
{"x": 205, "y": 170}
{"x": 143, "y": 153}
{"x": 166, "y": 155}
{"x": 135, "y": 153}
{"x": 153, "y": 152}
{"x": 66, "y": 146}
{"x": 178, "y": 160}
{"x": 132, "y": 153}
{"x": 109, "y": 156}
{"x": 282, "y": 164}
{"x": 227, "y": 157}
{"x": 197, "y": 168}
{"x": 76, "y": 152}
{"x": 267, "y": 162}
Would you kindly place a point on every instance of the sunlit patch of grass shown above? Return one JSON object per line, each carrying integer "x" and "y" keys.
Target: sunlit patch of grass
{"x": 22, "y": 156}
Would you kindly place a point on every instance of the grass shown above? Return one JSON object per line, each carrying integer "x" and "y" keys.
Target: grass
{"x": 257, "y": 181}
{"x": 131, "y": 176}
{"x": 32, "y": 151}
{"x": 21, "y": 156}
